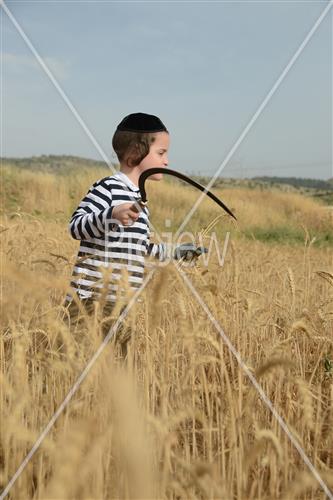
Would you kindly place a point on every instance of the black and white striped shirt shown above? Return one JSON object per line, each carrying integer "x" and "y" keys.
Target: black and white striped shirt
{"x": 107, "y": 248}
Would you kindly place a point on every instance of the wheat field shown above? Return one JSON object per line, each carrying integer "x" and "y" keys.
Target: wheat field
{"x": 179, "y": 419}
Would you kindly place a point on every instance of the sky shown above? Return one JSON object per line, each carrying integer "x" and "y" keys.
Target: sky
{"x": 204, "y": 68}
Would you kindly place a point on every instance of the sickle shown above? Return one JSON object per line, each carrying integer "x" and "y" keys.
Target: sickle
{"x": 163, "y": 170}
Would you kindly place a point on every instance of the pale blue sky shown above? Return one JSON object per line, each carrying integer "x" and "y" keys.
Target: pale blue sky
{"x": 202, "y": 67}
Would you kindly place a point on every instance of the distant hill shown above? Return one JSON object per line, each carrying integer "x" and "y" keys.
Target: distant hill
{"x": 61, "y": 165}
{"x": 318, "y": 188}
{"x": 65, "y": 165}
{"x": 298, "y": 182}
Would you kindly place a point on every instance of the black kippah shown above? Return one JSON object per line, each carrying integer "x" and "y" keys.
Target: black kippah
{"x": 141, "y": 122}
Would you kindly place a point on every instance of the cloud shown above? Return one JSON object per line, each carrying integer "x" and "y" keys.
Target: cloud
{"x": 18, "y": 63}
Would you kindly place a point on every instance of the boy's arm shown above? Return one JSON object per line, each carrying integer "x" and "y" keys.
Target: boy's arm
{"x": 89, "y": 219}
{"x": 185, "y": 251}
{"x": 160, "y": 251}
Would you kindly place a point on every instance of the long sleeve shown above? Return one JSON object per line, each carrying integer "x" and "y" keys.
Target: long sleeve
{"x": 160, "y": 251}
{"x": 89, "y": 219}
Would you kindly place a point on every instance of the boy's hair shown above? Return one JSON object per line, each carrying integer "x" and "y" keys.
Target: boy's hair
{"x": 132, "y": 147}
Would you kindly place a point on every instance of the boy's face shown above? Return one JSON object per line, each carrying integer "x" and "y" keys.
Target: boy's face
{"x": 157, "y": 156}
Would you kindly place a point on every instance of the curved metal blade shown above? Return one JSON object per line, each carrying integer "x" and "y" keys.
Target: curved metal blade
{"x": 169, "y": 171}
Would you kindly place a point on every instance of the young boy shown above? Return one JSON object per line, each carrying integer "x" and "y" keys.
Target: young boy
{"x": 112, "y": 228}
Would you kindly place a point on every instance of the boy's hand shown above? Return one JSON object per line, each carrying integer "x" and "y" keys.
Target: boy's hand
{"x": 126, "y": 213}
{"x": 188, "y": 251}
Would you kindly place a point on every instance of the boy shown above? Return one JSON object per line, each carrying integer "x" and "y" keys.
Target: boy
{"x": 112, "y": 228}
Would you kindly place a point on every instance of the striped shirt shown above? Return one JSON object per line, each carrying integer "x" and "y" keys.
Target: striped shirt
{"x": 107, "y": 248}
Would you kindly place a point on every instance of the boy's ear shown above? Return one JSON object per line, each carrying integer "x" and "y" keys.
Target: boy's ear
{"x": 132, "y": 156}
{"x": 130, "y": 161}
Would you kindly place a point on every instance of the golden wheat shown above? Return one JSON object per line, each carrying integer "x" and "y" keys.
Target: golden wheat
{"x": 180, "y": 420}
